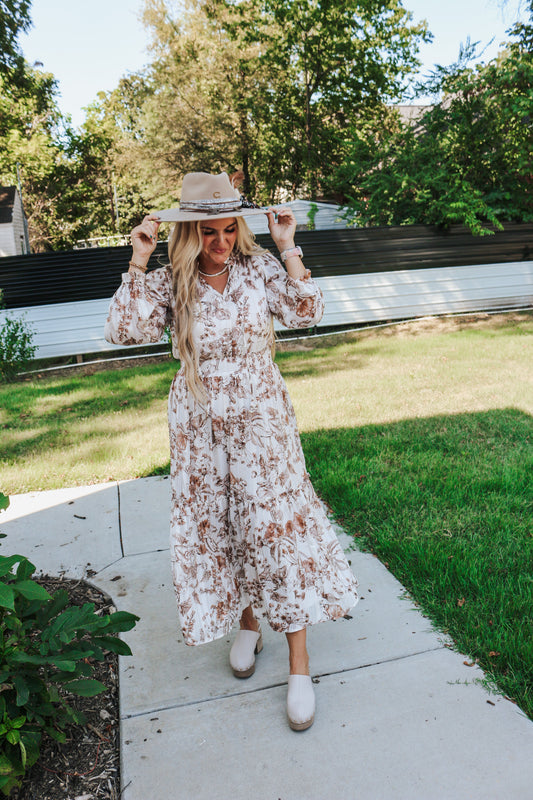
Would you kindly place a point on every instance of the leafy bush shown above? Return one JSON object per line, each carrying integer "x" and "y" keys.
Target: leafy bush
{"x": 466, "y": 160}
{"x": 46, "y": 647}
{"x": 16, "y": 347}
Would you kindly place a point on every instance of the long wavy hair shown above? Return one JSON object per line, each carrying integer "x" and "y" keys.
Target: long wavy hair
{"x": 184, "y": 247}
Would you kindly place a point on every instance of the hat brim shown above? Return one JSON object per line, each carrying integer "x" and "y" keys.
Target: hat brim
{"x": 178, "y": 215}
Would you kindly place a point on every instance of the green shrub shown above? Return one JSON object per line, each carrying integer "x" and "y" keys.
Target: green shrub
{"x": 16, "y": 347}
{"x": 46, "y": 647}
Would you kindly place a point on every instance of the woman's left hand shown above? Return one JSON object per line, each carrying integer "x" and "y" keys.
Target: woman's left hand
{"x": 283, "y": 227}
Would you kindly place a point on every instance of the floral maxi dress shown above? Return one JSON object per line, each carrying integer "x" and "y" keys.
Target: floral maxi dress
{"x": 246, "y": 524}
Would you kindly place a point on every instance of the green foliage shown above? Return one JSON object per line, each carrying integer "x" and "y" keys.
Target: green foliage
{"x": 190, "y": 110}
{"x": 135, "y": 155}
{"x": 29, "y": 123}
{"x": 311, "y": 215}
{"x": 107, "y": 152}
{"x": 28, "y": 120}
{"x": 298, "y": 96}
{"x": 16, "y": 347}
{"x": 325, "y": 61}
{"x": 331, "y": 61}
{"x": 46, "y": 648}
{"x": 266, "y": 87}
{"x": 466, "y": 160}
{"x": 14, "y": 19}
{"x": 66, "y": 175}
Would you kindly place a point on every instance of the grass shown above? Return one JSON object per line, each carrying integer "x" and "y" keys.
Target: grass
{"x": 81, "y": 429}
{"x": 447, "y": 503}
{"x": 420, "y": 438}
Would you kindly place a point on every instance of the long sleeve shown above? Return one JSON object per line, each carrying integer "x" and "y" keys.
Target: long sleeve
{"x": 295, "y": 303}
{"x": 140, "y": 308}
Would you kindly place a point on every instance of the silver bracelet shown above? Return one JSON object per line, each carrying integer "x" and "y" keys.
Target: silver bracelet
{"x": 294, "y": 251}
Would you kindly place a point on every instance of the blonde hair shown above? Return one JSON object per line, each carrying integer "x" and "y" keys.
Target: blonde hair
{"x": 184, "y": 247}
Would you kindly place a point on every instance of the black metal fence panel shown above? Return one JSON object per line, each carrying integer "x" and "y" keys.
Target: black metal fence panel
{"x": 91, "y": 274}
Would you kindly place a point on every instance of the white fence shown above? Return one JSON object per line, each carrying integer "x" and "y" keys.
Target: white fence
{"x": 65, "y": 329}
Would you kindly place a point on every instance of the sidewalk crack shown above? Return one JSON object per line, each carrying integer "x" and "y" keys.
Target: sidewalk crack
{"x": 119, "y": 521}
{"x": 202, "y": 701}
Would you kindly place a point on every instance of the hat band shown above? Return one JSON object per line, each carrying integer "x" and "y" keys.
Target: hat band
{"x": 211, "y": 206}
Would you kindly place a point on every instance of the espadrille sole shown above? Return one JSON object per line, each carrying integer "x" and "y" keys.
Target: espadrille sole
{"x": 245, "y": 673}
{"x": 301, "y": 726}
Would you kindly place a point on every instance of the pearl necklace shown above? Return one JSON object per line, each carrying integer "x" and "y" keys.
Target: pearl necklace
{"x": 213, "y": 274}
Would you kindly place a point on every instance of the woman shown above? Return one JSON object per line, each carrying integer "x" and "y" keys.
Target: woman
{"x": 248, "y": 533}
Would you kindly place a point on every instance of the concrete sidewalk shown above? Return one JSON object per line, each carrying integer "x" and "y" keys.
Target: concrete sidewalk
{"x": 399, "y": 715}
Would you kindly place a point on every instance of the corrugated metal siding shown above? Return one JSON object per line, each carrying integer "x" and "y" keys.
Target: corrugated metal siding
{"x": 77, "y": 275}
{"x": 71, "y": 328}
{"x": 12, "y": 241}
{"x": 7, "y": 240}
{"x": 330, "y": 218}
{"x": 407, "y": 294}
{"x": 18, "y": 226}
{"x": 327, "y": 217}
{"x": 66, "y": 329}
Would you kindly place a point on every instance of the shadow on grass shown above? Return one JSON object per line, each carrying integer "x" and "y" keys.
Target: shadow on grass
{"x": 80, "y": 399}
{"x": 47, "y": 413}
{"x": 446, "y": 502}
{"x": 161, "y": 469}
{"x": 324, "y": 359}
{"x": 326, "y": 355}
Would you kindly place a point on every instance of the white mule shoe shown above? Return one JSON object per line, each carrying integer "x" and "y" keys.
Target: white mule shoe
{"x": 300, "y": 702}
{"x": 242, "y": 654}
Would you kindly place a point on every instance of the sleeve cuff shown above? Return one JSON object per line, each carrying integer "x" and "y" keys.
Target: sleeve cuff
{"x": 138, "y": 279}
{"x": 134, "y": 276}
{"x": 304, "y": 286}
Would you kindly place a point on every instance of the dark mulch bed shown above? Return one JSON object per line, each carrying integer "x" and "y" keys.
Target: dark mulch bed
{"x": 87, "y": 765}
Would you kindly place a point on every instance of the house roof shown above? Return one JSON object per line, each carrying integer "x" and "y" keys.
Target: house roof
{"x": 7, "y": 201}
{"x": 412, "y": 113}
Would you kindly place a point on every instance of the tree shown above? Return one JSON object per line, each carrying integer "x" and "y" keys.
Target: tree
{"x": 14, "y": 19}
{"x": 328, "y": 61}
{"x": 67, "y": 175}
{"x": 264, "y": 86}
{"x": 467, "y": 160}
{"x": 196, "y": 97}
{"x": 114, "y": 134}
{"x": 62, "y": 171}
{"x": 28, "y": 120}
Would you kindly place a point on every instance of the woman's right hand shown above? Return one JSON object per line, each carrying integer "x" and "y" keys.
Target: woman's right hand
{"x": 144, "y": 239}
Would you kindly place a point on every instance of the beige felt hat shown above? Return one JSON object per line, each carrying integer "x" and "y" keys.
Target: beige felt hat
{"x": 205, "y": 196}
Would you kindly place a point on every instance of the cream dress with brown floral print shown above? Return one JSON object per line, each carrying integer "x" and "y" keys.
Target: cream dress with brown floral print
{"x": 246, "y": 524}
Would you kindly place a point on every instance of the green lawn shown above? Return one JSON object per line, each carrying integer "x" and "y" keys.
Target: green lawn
{"x": 420, "y": 438}
{"x": 447, "y": 503}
